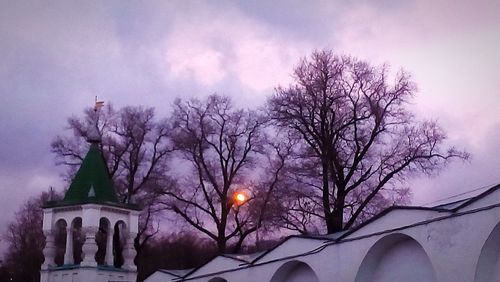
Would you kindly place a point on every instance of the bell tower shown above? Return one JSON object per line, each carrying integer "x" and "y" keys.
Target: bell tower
{"x": 90, "y": 234}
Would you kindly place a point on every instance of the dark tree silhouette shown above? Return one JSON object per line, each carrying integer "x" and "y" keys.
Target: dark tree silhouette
{"x": 219, "y": 147}
{"x": 182, "y": 250}
{"x": 26, "y": 241}
{"x": 356, "y": 134}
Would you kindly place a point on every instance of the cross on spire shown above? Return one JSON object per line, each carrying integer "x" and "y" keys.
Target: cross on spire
{"x": 93, "y": 135}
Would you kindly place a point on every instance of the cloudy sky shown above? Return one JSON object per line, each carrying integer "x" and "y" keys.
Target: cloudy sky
{"x": 55, "y": 56}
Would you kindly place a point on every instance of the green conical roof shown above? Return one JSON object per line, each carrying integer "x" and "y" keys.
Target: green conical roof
{"x": 92, "y": 183}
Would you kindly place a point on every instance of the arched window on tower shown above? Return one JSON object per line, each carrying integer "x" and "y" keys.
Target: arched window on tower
{"x": 119, "y": 240}
{"x": 104, "y": 240}
{"x": 60, "y": 241}
{"x": 78, "y": 240}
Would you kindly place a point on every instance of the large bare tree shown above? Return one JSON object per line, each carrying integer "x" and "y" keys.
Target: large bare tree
{"x": 217, "y": 147}
{"x": 356, "y": 134}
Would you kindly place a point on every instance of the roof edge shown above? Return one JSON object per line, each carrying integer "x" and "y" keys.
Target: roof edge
{"x": 60, "y": 204}
{"x": 477, "y": 197}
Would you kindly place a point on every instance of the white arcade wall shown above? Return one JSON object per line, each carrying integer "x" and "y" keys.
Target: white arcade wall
{"x": 455, "y": 242}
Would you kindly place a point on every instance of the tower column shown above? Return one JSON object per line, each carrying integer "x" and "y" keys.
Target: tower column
{"x": 49, "y": 251}
{"x": 129, "y": 253}
{"x": 68, "y": 254}
{"x": 89, "y": 248}
{"x": 109, "y": 247}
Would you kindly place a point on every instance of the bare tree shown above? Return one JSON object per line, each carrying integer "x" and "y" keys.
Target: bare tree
{"x": 25, "y": 240}
{"x": 175, "y": 251}
{"x": 356, "y": 129}
{"x": 264, "y": 209}
{"x": 135, "y": 146}
{"x": 219, "y": 146}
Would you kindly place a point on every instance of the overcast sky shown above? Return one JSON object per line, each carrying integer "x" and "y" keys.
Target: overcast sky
{"x": 55, "y": 56}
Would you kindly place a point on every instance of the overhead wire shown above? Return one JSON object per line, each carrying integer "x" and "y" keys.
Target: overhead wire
{"x": 485, "y": 187}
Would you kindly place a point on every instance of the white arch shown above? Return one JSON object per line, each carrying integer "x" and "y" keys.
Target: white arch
{"x": 57, "y": 219}
{"x": 217, "y": 279}
{"x": 105, "y": 220}
{"x": 74, "y": 242}
{"x": 58, "y": 222}
{"x": 488, "y": 263}
{"x": 295, "y": 271}
{"x": 104, "y": 240}
{"x": 121, "y": 222}
{"x": 59, "y": 230}
{"x": 396, "y": 257}
{"x": 120, "y": 233}
{"x": 76, "y": 220}
{"x": 66, "y": 219}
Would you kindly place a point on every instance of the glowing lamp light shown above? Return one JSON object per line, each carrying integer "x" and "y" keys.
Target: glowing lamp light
{"x": 240, "y": 197}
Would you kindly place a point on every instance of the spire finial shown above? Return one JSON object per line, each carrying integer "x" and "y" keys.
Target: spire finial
{"x": 93, "y": 135}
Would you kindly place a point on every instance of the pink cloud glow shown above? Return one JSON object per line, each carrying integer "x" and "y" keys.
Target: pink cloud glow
{"x": 150, "y": 53}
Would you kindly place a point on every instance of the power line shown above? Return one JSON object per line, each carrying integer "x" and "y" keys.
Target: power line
{"x": 461, "y": 194}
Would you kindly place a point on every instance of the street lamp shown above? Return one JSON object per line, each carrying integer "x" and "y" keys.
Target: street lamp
{"x": 240, "y": 198}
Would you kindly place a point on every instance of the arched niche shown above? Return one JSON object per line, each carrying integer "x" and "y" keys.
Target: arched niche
{"x": 396, "y": 257}
{"x": 103, "y": 238}
{"x": 295, "y": 271}
{"x": 78, "y": 239}
{"x": 217, "y": 279}
{"x": 119, "y": 240}
{"x": 488, "y": 264}
{"x": 59, "y": 231}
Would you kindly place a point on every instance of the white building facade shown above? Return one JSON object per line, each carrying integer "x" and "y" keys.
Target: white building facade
{"x": 458, "y": 241}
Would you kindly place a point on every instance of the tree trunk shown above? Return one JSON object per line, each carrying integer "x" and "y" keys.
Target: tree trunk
{"x": 221, "y": 230}
{"x": 221, "y": 244}
{"x": 335, "y": 221}
{"x": 239, "y": 244}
